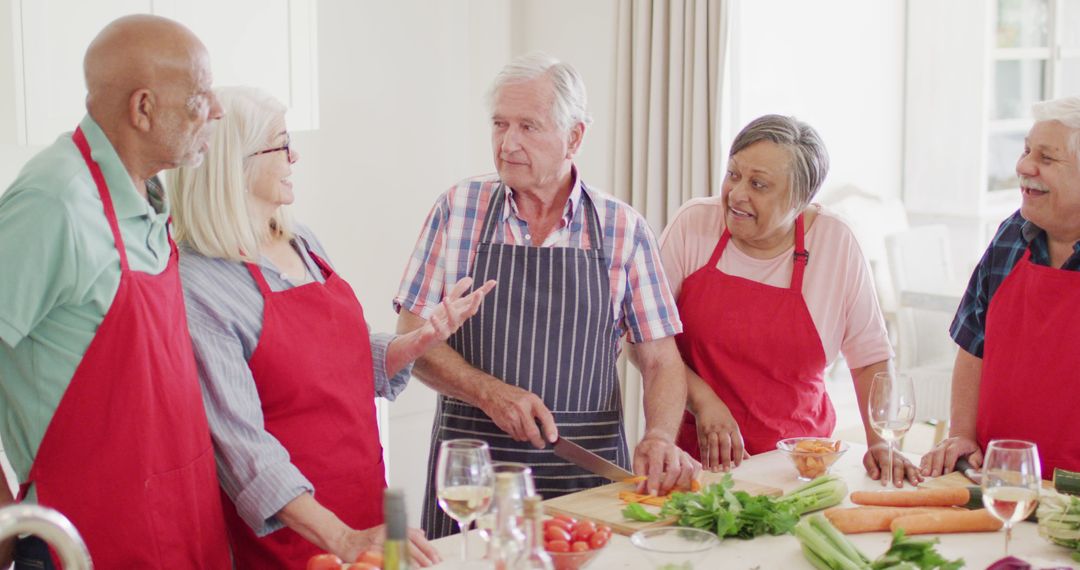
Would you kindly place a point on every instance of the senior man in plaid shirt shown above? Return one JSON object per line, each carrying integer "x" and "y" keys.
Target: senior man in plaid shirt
{"x": 577, "y": 270}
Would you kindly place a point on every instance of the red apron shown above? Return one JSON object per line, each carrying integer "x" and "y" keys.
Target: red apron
{"x": 313, "y": 370}
{"x": 757, "y": 347}
{"x": 127, "y": 456}
{"x": 1030, "y": 364}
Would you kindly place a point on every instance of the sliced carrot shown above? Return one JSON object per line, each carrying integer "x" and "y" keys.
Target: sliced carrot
{"x": 636, "y": 479}
{"x": 978, "y": 520}
{"x": 631, "y": 497}
{"x": 943, "y": 497}
{"x": 853, "y": 520}
{"x": 654, "y": 500}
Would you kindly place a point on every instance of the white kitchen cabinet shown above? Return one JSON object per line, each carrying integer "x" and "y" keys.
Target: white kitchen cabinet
{"x": 264, "y": 43}
{"x": 974, "y": 68}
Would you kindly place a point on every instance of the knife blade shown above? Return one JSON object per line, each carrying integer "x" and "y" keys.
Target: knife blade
{"x": 589, "y": 461}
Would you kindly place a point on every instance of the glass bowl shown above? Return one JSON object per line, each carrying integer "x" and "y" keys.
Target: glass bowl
{"x": 574, "y": 560}
{"x": 674, "y": 548}
{"x": 812, "y": 457}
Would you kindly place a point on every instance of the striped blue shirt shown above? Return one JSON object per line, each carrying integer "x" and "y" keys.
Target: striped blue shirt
{"x": 224, "y": 311}
{"x": 1013, "y": 236}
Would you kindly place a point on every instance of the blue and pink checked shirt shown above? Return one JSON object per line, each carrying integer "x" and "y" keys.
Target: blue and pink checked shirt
{"x": 1014, "y": 235}
{"x": 643, "y": 304}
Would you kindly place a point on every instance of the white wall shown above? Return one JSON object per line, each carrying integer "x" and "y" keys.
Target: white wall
{"x": 836, "y": 64}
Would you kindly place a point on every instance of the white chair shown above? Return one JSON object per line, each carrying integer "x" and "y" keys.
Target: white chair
{"x": 920, "y": 263}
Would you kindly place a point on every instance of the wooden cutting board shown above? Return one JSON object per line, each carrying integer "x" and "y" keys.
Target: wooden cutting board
{"x": 602, "y": 504}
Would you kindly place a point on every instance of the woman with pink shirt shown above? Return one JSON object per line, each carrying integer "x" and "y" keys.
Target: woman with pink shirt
{"x": 770, "y": 289}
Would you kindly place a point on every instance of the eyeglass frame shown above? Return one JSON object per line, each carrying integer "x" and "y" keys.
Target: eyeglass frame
{"x": 284, "y": 147}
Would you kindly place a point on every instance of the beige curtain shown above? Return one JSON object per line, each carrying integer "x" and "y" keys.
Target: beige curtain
{"x": 669, "y": 72}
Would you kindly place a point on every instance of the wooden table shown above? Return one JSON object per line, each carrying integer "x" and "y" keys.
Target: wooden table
{"x": 782, "y": 552}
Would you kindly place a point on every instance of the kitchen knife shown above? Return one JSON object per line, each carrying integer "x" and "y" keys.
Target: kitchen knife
{"x": 964, "y": 467}
{"x": 590, "y": 461}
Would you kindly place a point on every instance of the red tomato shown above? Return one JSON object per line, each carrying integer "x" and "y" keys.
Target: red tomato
{"x": 564, "y": 518}
{"x": 557, "y": 546}
{"x": 603, "y": 528}
{"x": 598, "y": 539}
{"x": 579, "y": 546}
{"x": 583, "y": 532}
{"x": 556, "y": 533}
{"x": 370, "y": 557}
{"x": 324, "y": 562}
{"x": 559, "y": 523}
{"x": 585, "y": 526}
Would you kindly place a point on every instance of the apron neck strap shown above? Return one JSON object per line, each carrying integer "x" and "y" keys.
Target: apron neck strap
{"x": 260, "y": 280}
{"x": 801, "y": 255}
{"x": 106, "y": 198}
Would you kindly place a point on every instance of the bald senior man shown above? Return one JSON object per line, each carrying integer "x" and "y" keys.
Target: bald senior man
{"x": 100, "y": 409}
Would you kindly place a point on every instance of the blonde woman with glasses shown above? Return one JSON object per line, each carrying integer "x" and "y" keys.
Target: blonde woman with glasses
{"x": 288, "y": 368}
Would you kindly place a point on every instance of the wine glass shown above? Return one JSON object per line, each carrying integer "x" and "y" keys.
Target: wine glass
{"x": 891, "y": 410}
{"x": 1010, "y": 482}
{"x": 522, "y": 487}
{"x": 464, "y": 483}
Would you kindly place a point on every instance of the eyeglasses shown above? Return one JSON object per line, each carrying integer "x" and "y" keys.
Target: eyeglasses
{"x": 284, "y": 147}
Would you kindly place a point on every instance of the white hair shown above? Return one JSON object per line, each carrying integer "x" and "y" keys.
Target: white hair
{"x": 210, "y": 203}
{"x": 570, "y": 105}
{"x": 1066, "y": 111}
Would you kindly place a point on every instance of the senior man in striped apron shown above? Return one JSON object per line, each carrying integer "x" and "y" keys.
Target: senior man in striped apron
{"x": 577, "y": 270}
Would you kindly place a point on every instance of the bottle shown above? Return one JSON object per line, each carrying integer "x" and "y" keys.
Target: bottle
{"x": 534, "y": 557}
{"x": 507, "y": 541}
{"x": 396, "y": 545}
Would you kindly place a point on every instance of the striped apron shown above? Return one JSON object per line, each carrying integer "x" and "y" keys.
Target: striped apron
{"x": 548, "y": 328}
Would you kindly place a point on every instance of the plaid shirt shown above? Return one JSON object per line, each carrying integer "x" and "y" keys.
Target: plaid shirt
{"x": 641, "y": 297}
{"x": 1013, "y": 236}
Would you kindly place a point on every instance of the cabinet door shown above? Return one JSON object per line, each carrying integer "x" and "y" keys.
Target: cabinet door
{"x": 262, "y": 43}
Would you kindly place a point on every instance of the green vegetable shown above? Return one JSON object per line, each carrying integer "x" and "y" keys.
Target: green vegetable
{"x": 720, "y": 510}
{"x": 821, "y": 493}
{"x": 1066, "y": 481}
{"x": 1059, "y": 520}
{"x": 828, "y": 549}
{"x": 636, "y": 512}
{"x": 906, "y": 552}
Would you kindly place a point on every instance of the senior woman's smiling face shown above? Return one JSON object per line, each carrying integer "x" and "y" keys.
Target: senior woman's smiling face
{"x": 759, "y": 209}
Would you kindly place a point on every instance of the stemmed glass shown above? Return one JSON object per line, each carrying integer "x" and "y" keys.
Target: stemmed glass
{"x": 891, "y": 410}
{"x": 523, "y": 487}
{"x": 464, "y": 483}
{"x": 1010, "y": 481}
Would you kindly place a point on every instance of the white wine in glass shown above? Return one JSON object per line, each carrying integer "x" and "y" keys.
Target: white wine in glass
{"x": 1011, "y": 481}
{"x": 891, "y": 410}
{"x": 464, "y": 480}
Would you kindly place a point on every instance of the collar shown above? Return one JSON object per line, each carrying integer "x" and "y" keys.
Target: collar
{"x": 126, "y": 199}
{"x": 511, "y": 209}
{"x": 1029, "y": 232}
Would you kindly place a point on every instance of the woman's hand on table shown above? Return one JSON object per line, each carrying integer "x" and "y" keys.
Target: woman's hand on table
{"x": 719, "y": 440}
{"x": 942, "y": 459}
{"x": 356, "y": 542}
{"x": 876, "y": 461}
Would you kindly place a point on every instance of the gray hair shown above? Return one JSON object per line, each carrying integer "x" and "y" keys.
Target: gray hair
{"x": 1066, "y": 111}
{"x": 570, "y": 106}
{"x": 809, "y": 159}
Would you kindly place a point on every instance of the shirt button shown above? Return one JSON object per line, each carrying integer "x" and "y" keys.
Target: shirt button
{"x": 528, "y": 236}
{"x": 284, "y": 277}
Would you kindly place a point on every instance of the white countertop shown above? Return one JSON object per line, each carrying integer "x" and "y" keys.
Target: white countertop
{"x": 978, "y": 550}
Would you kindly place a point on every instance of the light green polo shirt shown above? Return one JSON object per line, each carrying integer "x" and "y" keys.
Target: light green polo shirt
{"x": 59, "y": 272}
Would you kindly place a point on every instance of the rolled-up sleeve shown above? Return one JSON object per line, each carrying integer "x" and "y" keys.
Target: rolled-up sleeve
{"x": 253, "y": 466}
{"x": 387, "y": 387}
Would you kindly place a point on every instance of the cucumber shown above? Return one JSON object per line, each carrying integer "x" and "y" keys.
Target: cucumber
{"x": 976, "y": 502}
{"x": 1067, "y": 482}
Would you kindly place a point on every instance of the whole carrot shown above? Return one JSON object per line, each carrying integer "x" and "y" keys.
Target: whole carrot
{"x": 854, "y": 520}
{"x": 978, "y": 520}
{"x": 945, "y": 497}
